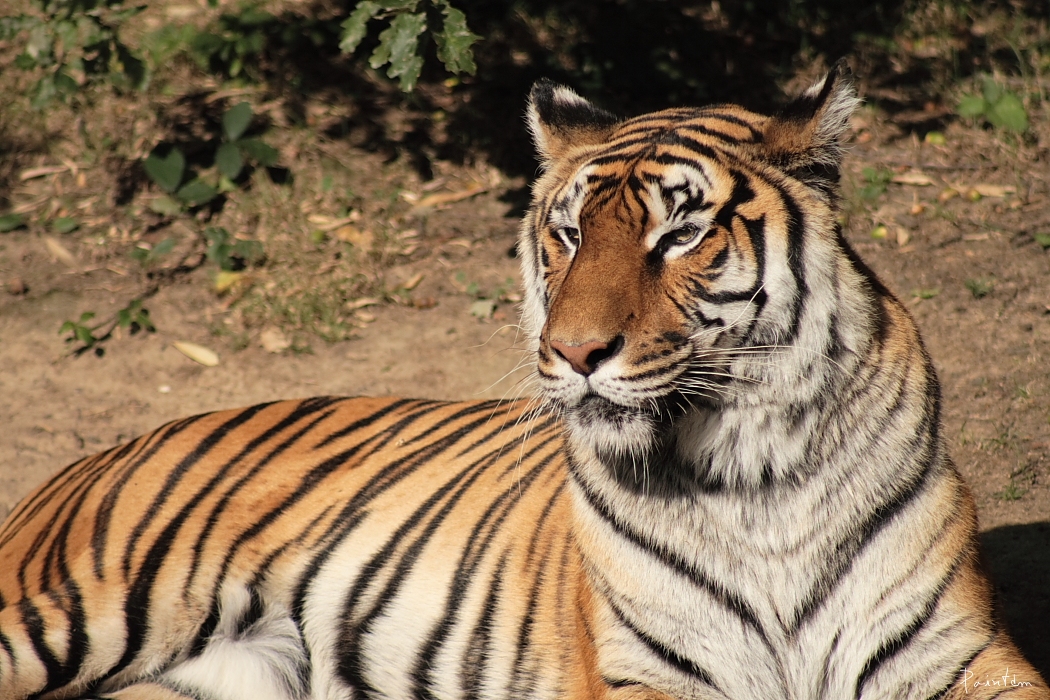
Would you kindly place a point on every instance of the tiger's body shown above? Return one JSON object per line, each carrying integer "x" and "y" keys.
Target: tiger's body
{"x": 736, "y": 488}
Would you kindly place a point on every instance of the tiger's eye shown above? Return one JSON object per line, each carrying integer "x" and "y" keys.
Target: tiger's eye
{"x": 680, "y": 236}
{"x": 683, "y": 235}
{"x": 569, "y": 235}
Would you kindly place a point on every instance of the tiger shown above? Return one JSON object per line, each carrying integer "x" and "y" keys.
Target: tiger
{"x": 731, "y": 481}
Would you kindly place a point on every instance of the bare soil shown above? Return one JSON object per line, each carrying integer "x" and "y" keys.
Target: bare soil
{"x": 971, "y": 271}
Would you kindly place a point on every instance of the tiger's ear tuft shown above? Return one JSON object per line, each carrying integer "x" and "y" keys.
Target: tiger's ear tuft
{"x": 805, "y": 139}
{"x": 561, "y": 120}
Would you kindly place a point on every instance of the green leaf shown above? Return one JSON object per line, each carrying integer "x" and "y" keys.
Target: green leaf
{"x": 229, "y": 160}
{"x": 9, "y": 222}
{"x": 84, "y": 335}
{"x": 45, "y": 92}
{"x": 87, "y": 316}
{"x": 165, "y": 206}
{"x": 163, "y": 248}
{"x": 166, "y": 170}
{"x": 1009, "y": 113}
{"x": 197, "y": 192}
{"x": 1042, "y": 239}
{"x": 972, "y": 106}
{"x": 253, "y": 17}
{"x": 454, "y": 42}
{"x": 258, "y": 151}
{"x": 356, "y": 25}
{"x": 991, "y": 90}
{"x": 398, "y": 44}
{"x": 249, "y": 251}
{"x": 25, "y": 61}
{"x": 132, "y": 67}
{"x": 236, "y": 121}
{"x": 216, "y": 234}
{"x": 65, "y": 224}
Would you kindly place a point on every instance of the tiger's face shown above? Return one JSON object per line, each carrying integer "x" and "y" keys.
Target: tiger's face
{"x": 663, "y": 254}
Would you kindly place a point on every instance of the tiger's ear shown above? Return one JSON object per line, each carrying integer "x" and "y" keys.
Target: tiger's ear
{"x": 805, "y": 139}
{"x": 561, "y": 120}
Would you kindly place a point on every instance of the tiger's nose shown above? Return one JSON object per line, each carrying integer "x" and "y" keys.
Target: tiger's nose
{"x": 585, "y": 358}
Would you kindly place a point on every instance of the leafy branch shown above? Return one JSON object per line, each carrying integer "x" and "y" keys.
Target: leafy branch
{"x": 399, "y": 42}
{"x": 134, "y": 317}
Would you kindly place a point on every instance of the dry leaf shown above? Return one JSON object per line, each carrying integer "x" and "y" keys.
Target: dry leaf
{"x": 361, "y": 303}
{"x": 976, "y": 237}
{"x": 355, "y": 237}
{"x": 913, "y": 177}
{"x": 31, "y": 173}
{"x": 226, "y": 279}
{"x": 273, "y": 340}
{"x": 59, "y": 251}
{"x": 364, "y": 316}
{"x": 903, "y": 236}
{"x": 947, "y": 193}
{"x": 412, "y": 282}
{"x": 328, "y": 223}
{"x": 436, "y": 200}
{"x": 986, "y": 190}
{"x": 197, "y": 353}
{"x": 424, "y": 303}
{"x": 483, "y": 308}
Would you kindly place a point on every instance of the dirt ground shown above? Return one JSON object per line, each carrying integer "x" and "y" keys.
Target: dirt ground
{"x": 969, "y": 266}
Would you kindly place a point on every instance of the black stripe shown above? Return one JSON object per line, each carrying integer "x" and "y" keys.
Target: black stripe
{"x": 201, "y": 449}
{"x": 727, "y": 599}
{"x": 351, "y": 667}
{"x": 301, "y": 411}
{"x": 905, "y": 637}
{"x": 666, "y": 653}
{"x": 36, "y": 629}
{"x": 847, "y": 551}
{"x": 477, "y": 654}
{"x": 353, "y": 512}
{"x": 372, "y": 417}
{"x": 472, "y": 558}
{"x": 104, "y": 513}
{"x": 523, "y": 682}
{"x": 137, "y": 603}
{"x": 204, "y": 632}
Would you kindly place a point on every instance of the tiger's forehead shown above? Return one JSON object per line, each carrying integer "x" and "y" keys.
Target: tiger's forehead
{"x": 661, "y": 166}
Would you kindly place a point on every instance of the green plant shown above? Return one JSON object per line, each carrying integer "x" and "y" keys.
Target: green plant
{"x": 1042, "y": 239}
{"x": 996, "y": 105}
{"x": 166, "y": 165}
{"x": 876, "y": 180}
{"x": 150, "y": 255}
{"x": 1012, "y": 492}
{"x": 133, "y": 317}
{"x": 980, "y": 287}
{"x": 73, "y": 43}
{"x": 229, "y": 253}
{"x": 399, "y": 42}
{"x": 9, "y": 222}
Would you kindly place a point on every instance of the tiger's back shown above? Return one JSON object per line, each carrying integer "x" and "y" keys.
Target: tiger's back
{"x": 386, "y": 545}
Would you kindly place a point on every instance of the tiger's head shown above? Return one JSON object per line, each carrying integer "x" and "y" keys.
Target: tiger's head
{"x": 682, "y": 260}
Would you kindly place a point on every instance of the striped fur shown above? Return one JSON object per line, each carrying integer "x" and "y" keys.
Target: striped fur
{"x": 735, "y": 487}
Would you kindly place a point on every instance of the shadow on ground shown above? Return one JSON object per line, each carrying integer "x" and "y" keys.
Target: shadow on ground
{"x": 1018, "y": 560}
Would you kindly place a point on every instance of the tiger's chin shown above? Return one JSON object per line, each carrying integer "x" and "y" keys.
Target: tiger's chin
{"x": 635, "y": 444}
{"x": 609, "y": 427}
